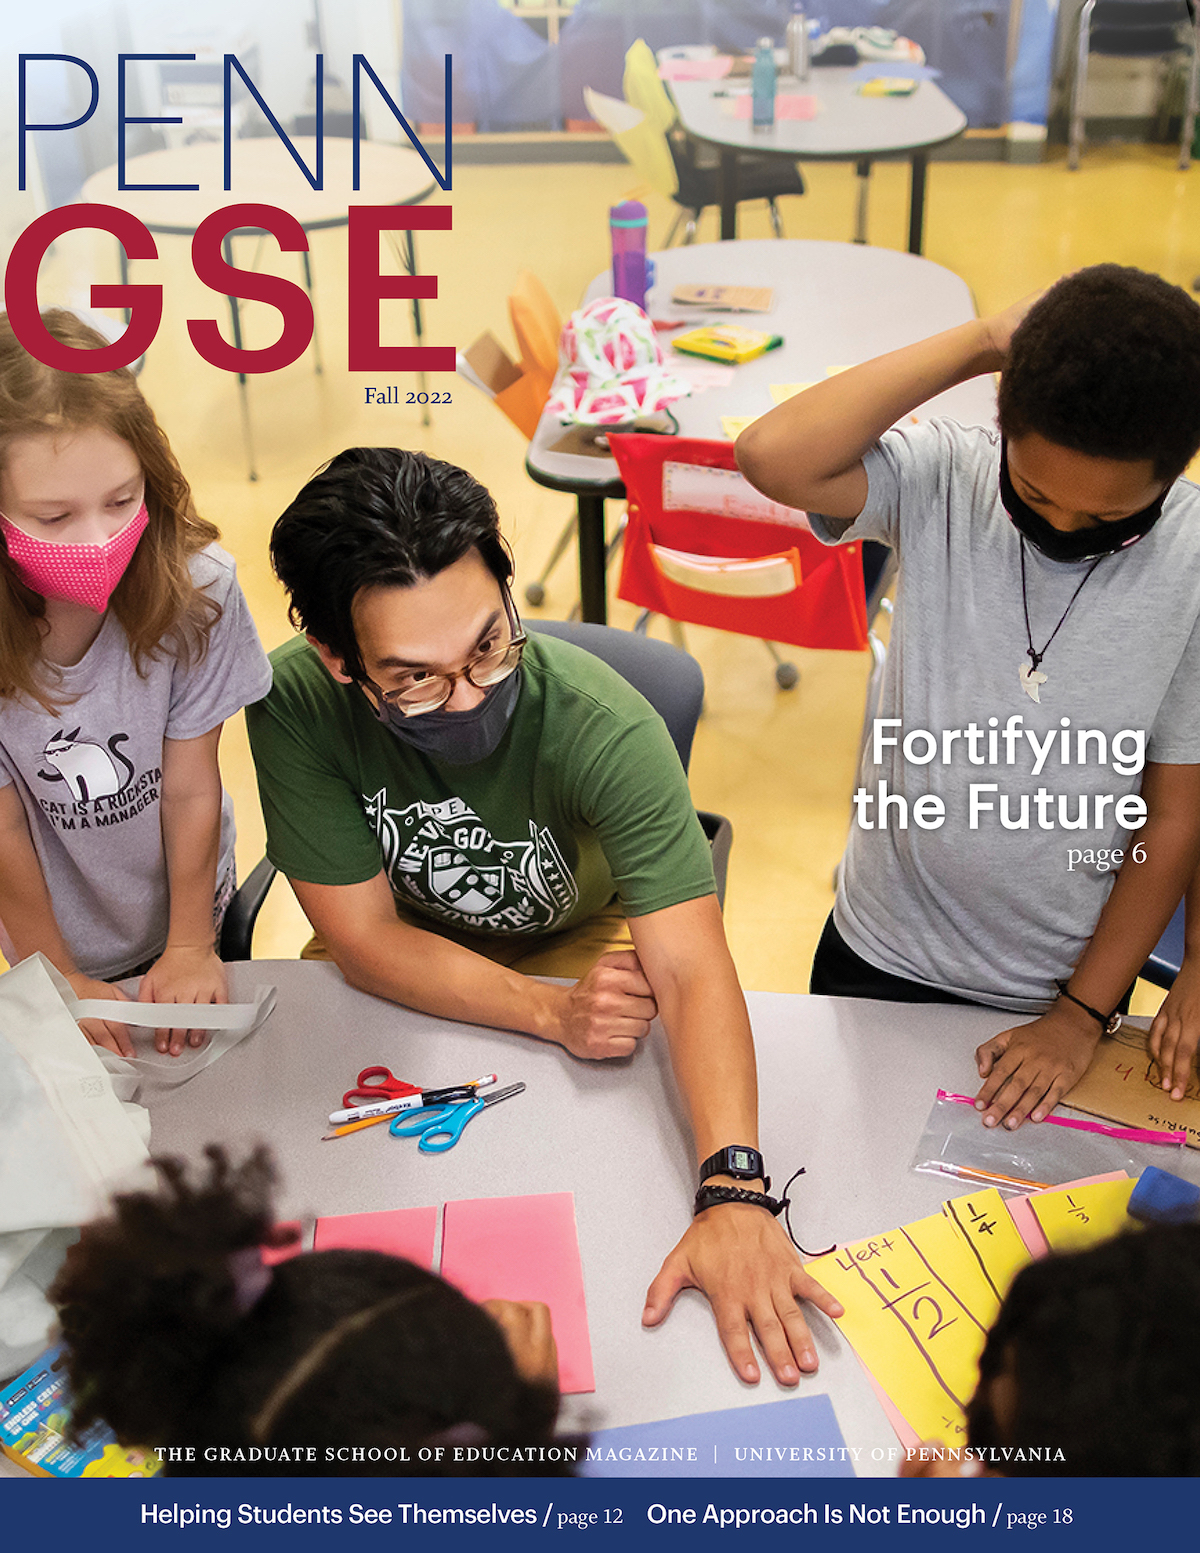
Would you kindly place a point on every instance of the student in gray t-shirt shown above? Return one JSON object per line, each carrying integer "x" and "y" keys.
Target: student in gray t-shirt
{"x": 125, "y": 643}
{"x": 1038, "y": 734}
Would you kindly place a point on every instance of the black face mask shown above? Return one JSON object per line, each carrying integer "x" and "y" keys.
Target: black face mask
{"x": 458, "y": 738}
{"x": 1083, "y": 544}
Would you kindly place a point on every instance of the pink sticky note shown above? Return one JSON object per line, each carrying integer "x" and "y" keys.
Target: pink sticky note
{"x": 786, "y": 107}
{"x": 407, "y": 1232}
{"x": 525, "y": 1248}
{"x": 714, "y": 69}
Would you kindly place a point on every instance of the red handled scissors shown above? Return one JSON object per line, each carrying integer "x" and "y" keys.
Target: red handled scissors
{"x": 378, "y": 1084}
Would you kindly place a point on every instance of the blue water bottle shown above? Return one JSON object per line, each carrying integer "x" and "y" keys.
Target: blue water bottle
{"x": 762, "y": 84}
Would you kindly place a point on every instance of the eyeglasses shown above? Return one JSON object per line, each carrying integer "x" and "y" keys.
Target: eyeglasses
{"x": 421, "y": 690}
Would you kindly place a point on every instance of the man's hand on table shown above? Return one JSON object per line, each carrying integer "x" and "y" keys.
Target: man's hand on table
{"x": 1028, "y": 1070}
{"x": 608, "y": 1011}
{"x": 740, "y": 1258}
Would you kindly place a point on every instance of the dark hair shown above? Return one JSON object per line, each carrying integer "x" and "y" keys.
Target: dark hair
{"x": 1103, "y": 1347}
{"x": 378, "y": 517}
{"x": 1107, "y": 363}
{"x": 167, "y": 1345}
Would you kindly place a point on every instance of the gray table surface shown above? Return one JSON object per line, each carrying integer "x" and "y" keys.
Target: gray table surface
{"x": 847, "y": 125}
{"x": 835, "y": 304}
{"x": 846, "y": 1088}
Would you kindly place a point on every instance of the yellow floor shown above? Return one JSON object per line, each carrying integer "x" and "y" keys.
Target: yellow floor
{"x": 779, "y": 764}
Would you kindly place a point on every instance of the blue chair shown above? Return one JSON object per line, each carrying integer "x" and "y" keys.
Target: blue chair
{"x": 1163, "y": 965}
{"x": 673, "y": 683}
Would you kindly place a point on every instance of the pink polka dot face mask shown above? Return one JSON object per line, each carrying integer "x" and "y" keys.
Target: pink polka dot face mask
{"x": 82, "y": 574}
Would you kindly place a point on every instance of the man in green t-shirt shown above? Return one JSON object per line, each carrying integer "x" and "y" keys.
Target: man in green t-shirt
{"x": 459, "y": 809}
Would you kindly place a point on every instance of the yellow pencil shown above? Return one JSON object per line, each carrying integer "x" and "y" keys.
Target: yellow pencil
{"x": 367, "y": 1121}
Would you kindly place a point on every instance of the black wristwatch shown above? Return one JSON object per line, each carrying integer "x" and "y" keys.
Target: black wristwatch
{"x": 739, "y": 1162}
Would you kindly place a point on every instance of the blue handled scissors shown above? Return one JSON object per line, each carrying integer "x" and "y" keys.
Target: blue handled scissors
{"x": 441, "y": 1126}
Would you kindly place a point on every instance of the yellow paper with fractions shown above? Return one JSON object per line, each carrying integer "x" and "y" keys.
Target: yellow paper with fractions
{"x": 734, "y": 425}
{"x": 918, "y": 1308}
{"x": 987, "y": 1227}
{"x": 782, "y": 391}
{"x": 1081, "y": 1216}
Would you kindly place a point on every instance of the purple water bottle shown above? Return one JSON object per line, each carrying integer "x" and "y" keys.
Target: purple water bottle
{"x": 627, "y": 223}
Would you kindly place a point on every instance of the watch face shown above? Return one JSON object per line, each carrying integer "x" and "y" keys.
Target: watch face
{"x": 739, "y": 1159}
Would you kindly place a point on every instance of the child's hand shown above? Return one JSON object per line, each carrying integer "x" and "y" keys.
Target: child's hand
{"x": 530, "y": 1338}
{"x": 1175, "y": 1033}
{"x": 1003, "y": 325}
{"x": 1029, "y": 1069}
{"x": 188, "y": 974}
{"x": 109, "y": 1033}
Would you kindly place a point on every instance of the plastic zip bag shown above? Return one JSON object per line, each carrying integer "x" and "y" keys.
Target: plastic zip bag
{"x": 1049, "y": 1153}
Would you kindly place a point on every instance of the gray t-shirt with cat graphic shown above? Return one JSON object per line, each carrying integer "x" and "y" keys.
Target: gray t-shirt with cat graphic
{"x": 90, "y": 775}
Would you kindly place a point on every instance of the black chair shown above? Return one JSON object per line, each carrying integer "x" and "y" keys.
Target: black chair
{"x": 1135, "y": 29}
{"x": 672, "y": 682}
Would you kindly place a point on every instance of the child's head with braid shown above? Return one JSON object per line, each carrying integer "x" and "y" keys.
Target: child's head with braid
{"x": 178, "y": 1335}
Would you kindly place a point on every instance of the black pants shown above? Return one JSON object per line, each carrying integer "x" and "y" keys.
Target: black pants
{"x": 838, "y": 972}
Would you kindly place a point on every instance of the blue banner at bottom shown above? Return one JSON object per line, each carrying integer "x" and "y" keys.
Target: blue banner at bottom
{"x": 502, "y": 1513}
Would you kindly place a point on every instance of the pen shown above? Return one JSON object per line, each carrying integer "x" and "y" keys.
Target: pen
{"x": 379, "y": 1108}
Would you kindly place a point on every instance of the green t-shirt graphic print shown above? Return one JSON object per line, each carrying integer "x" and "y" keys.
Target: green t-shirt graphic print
{"x": 584, "y": 799}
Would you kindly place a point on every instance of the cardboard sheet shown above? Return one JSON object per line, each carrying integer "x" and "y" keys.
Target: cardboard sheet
{"x": 525, "y": 1248}
{"x": 407, "y": 1232}
{"x": 1124, "y": 1084}
{"x": 796, "y": 1438}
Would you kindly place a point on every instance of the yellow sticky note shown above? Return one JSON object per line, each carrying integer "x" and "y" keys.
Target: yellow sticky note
{"x": 734, "y": 425}
{"x": 782, "y": 391}
{"x": 918, "y": 1309}
{"x": 984, "y": 1222}
{"x": 833, "y": 371}
{"x": 1081, "y": 1216}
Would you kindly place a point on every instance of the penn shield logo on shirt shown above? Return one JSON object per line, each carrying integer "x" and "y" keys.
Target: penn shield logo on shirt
{"x": 445, "y": 860}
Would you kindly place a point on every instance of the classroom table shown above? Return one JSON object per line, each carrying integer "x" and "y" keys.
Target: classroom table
{"x": 845, "y": 1089}
{"x": 264, "y": 172}
{"x": 835, "y": 304}
{"x": 848, "y": 127}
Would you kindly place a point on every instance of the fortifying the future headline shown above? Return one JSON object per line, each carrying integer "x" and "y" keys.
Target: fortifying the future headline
{"x": 1014, "y": 745}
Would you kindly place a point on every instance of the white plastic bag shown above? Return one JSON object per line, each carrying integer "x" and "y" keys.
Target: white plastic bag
{"x": 70, "y": 1134}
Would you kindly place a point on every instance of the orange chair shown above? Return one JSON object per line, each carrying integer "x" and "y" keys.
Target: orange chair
{"x": 537, "y": 326}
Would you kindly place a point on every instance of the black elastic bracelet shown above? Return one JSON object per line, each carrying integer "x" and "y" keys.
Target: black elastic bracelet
{"x": 1109, "y": 1023}
{"x": 713, "y": 1196}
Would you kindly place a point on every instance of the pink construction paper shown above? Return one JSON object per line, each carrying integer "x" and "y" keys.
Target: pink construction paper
{"x": 786, "y": 107}
{"x": 696, "y": 69}
{"x": 406, "y": 1232}
{"x": 1021, "y": 1211}
{"x": 905, "y": 1432}
{"x": 525, "y": 1248}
